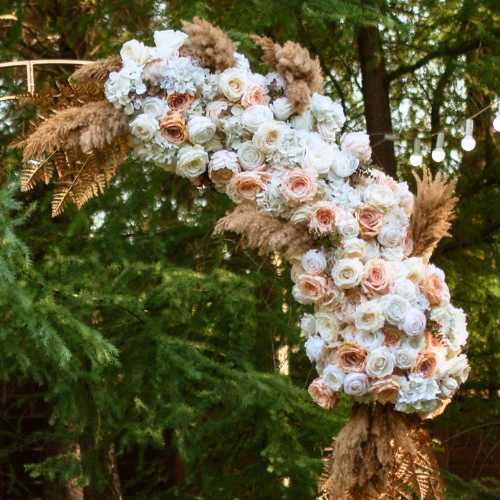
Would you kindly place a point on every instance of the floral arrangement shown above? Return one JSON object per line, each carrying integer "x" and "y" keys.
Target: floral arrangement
{"x": 383, "y": 327}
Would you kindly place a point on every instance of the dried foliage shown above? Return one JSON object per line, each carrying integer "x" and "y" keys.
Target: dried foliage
{"x": 432, "y": 212}
{"x": 302, "y": 74}
{"x": 98, "y": 71}
{"x": 208, "y": 45}
{"x": 267, "y": 233}
{"x": 381, "y": 454}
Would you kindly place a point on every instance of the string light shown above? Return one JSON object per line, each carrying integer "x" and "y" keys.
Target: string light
{"x": 438, "y": 153}
{"x": 468, "y": 142}
{"x": 416, "y": 157}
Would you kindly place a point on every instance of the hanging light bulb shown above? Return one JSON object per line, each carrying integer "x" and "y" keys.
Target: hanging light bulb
{"x": 468, "y": 142}
{"x": 438, "y": 153}
{"x": 416, "y": 157}
{"x": 496, "y": 121}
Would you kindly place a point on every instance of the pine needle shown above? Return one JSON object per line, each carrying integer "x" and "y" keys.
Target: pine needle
{"x": 432, "y": 213}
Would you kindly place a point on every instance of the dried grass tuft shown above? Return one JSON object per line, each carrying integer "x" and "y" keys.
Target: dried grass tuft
{"x": 294, "y": 63}
{"x": 432, "y": 212}
{"x": 91, "y": 126}
{"x": 98, "y": 71}
{"x": 267, "y": 233}
{"x": 209, "y": 45}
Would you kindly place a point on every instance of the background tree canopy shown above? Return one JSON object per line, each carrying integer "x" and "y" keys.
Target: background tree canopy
{"x": 142, "y": 358}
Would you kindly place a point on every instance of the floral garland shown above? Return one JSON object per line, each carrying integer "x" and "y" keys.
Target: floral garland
{"x": 383, "y": 328}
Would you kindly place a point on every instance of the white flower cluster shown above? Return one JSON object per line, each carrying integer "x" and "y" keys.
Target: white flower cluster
{"x": 383, "y": 327}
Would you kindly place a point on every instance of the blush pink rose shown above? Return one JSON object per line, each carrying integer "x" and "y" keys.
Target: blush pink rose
{"x": 324, "y": 216}
{"x": 346, "y": 313}
{"x": 435, "y": 290}
{"x": 351, "y": 358}
{"x": 323, "y": 395}
{"x": 377, "y": 277}
{"x": 392, "y": 337}
{"x": 254, "y": 95}
{"x": 246, "y": 186}
{"x": 426, "y": 364}
{"x": 314, "y": 287}
{"x": 386, "y": 389}
{"x": 407, "y": 243}
{"x": 369, "y": 221}
{"x": 299, "y": 185}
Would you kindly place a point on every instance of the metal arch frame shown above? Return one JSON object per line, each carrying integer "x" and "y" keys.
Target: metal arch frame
{"x": 30, "y": 65}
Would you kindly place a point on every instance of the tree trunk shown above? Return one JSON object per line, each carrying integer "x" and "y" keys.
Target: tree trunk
{"x": 376, "y": 98}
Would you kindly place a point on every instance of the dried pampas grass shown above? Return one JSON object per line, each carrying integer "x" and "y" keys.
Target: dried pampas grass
{"x": 432, "y": 213}
{"x": 98, "y": 71}
{"x": 302, "y": 74}
{"x": 91, "y": 126}
{"x": 267, "y": 233}
{"x": 208, "y": 45}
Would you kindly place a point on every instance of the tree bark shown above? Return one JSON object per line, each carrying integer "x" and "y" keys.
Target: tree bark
{"x": 376, "y": 98}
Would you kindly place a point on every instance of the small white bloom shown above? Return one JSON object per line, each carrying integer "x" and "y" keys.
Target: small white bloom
{"x": 201, "y": 129}
{"x": 325, "y": 110}
{"x": 134, "y": 52}
{"x": 380, "y": 197}
{"x": 182, "y": 75}
{"x": 394, "y": 254}
{"x": 369, "y": 340}
{"x": 304, "y": 121}
{"x": 448, "y": 387}
{"x": 343, "y": 164}
{"x": 416, "y": 269}
{"x": 168, "y": 42}
{"x": 372, "y": 251}
{"x": 327, "y": 327}
{"x": 327, "y": 131}
{"x": 415, "y": 342}
{"x": 389, "y": 236}
{"x": 417, "y": 394}
{"x": 404, "y": 288}
{"x": 319, "y": 158}
{"x": 154, "y": 107}
{"x": 358, "y": 145}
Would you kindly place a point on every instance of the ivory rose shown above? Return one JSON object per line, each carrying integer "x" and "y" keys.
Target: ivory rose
{"x": 299, "y": 185}
{"x": 351, "y": 358}
{"x": 369, "y": 316}
{"x": 179, "y": 102}
{"x": 154, "y": 107}
{"x": 377, "y": 277}
{"x": 134, "y": 52}
{"x": 348, "y": 227}
{"x": 308, "y": 325}
{"x": 191, "y": 161}
{"x": 405, "y": 357}
{"x": 144, "y": 127}
{"x": 200, "y": 129}
{"x": 246, "y": 186}
{"x": 255, "y": 116}
{"x": 282, "y": 108}
{"x": 379, "y": 363}
{"x": 347, "y": 273}
{"x": 323, "y": 395}
{"x": 254, "y": 95}
{"x": 327, "y": 327}
{"x": 357, "y": 144}
{"x": 380, "y": 197}
{"x": 314, "y": 287}
{"x": 369, "y": 220}
{"x": 353, "y": 248}
{"x": 173, "y": 128}
{"x": 251, "y": 157}
{"x": 323, "y": 217}
{"x": 395, "y": 308}
{"x": 232, "y": 84}
{"x": 389, "y": 236}
{"x": 386, "y": 389}
{"x": 268, "y": 137}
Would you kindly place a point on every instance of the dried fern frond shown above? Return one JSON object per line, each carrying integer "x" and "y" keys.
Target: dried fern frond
{"x": 294, "y": 63}
{"x": 209, "y": 45}
{"x": 98, "y": 71}
{"x": 267, "y": 233}
{"x": 91, "y": 126}
{"x": 432, "y": 213}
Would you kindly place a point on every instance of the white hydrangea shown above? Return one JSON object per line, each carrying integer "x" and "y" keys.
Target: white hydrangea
{"x": 182, "y": 75}
{"x": 325, "y": 110}
{"x": 417, "y": 394}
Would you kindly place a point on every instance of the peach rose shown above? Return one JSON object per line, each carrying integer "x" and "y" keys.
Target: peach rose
{"x": 329, "y": 355}
{"x": 426, "y": 364}
{"x": 299, "y": 185}
{"x": 254, "y": 95}
{"x": 392, "y": 337}
{"x": 314, "y": 287}
{"x": 173, "y": 128}
{"x": 377, "y": 277}
{"x": 434, "y": 345}
{"x": 179, "y": 102}
{"x": 324, "y": 216}
{"x": 369, "y": 220}
{"x": 346, "y": 313}
{"x": 351, "y": 358}
{"x": 323, "y": 395}
{"x": 246, "y": 186}
{"x": 435, "y": 290}
{"x": 386, "y": 389}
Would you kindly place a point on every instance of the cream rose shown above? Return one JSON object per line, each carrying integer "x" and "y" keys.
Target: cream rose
{"x": 379, "y": 363}
{"x": 200, "y": 129}
{"x": 168, "y": 42}
{"x": 416, "y": 269}
{"x": 459, "y": 368}
{"x": 299, "y": 186}
{"x": 351, "y": 358}
{"x": 232, "y": 84}
{"x": 369, "y": 340}
{"x": 313, "y": 346}
{"x": 222, "y": 167}
{"x": 144, "y": 127}
{"x": 357, "y": 144}
{"x": 314, "y": 262}
{"x": 347, "y": 273}
{"x": 380, "y": 197}
{"x": 348, "y": 227}
{"x": 356, "y": 384}
{"x": 324, "y": 215}
{"x": 255, "y": 116}
{"x": 319, "y": 158}
{"x": 343, "y": 165}
{"x": 377, "y": 277}
{"x": 313, "y": 287}
{"x": 250, "y": 156}
{"x": 405, "y": 357}
{"x": 334, "y": 298}
{"x": 405, "y": 289}
{"x": 327, "y": 327}
{"x": 134, "y": 52}
{"x": 246, "y": 186}
{"x": 300, "y": 215}
{"x": 353, "y": 248}
{"x": 154, "y": 107}
{"x": 448, "y": 387}
{"x": 372, "y": 251}
{"x": 327, "y": 131}
{"x": 191, "y": 161}
{"x": 282, "y": 108}
{"x": 268, "y": 137}
{"x": 322, "y": 395}
{"x": 369, "y": 316}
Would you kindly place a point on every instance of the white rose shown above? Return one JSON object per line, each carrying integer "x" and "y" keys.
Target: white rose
{"x": 324, "y": 109}
{"x": 459, "y": 368}
{"x": 191, "y": 161}
{"x": 405, "y": 357}
{"x": 268, "y": 137}
{"x": 314, "y": 262}
{"x": 168, "y": 42}
{"x": 356, "y": 384}
{"x": 448, "y": 387}
{"x": 348, "y": 228}
{"x": 421, "y": 302}
{"x": 308, "y": 325}
{"x": 372, "y": 250}
{"x": 327, "y": 327}
{"x": 416, "y": 269}
{"x": 154, "y": 107}
{"x": 358, "y": 145}
{"x": 134, "y": 52}
{"x": 343, "y": 165}
{"x": 379, "y": 363}
{"x": 313, "y": 347}
{"x": 398, "y": 270}
{"x": 414, "y": 322}
{"x": 251, "y": 157}
{"x": 304, "y": 121}
{"x": 379, "y": 197}
{"x": 369, "y": 316}
{"x": 319, "y": 158}
{"x": 369, "y": 340}
{"x": 255, "y": 116}
{"x": 395, "y": 308}
{"x": 353, "y": 248}
{"x": 405, "y": 198}
{"x": 282, "y": 108}
{"x": 215, "y": 109}
{"x": 144, "y": 127}
{"x": 300, "y": 215}
{"x": 327, "y": 131}
{"x": 395, "y": 254}
{"x": 200, "y": 129}
{"x": 404, "y": 288}
{"x": 333, "y": 377}
{"x": 232, "y": 84}
{"x": 416, "y": 342}
{"x": 347, "y": 273}
{"x": 389, "y": 236}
